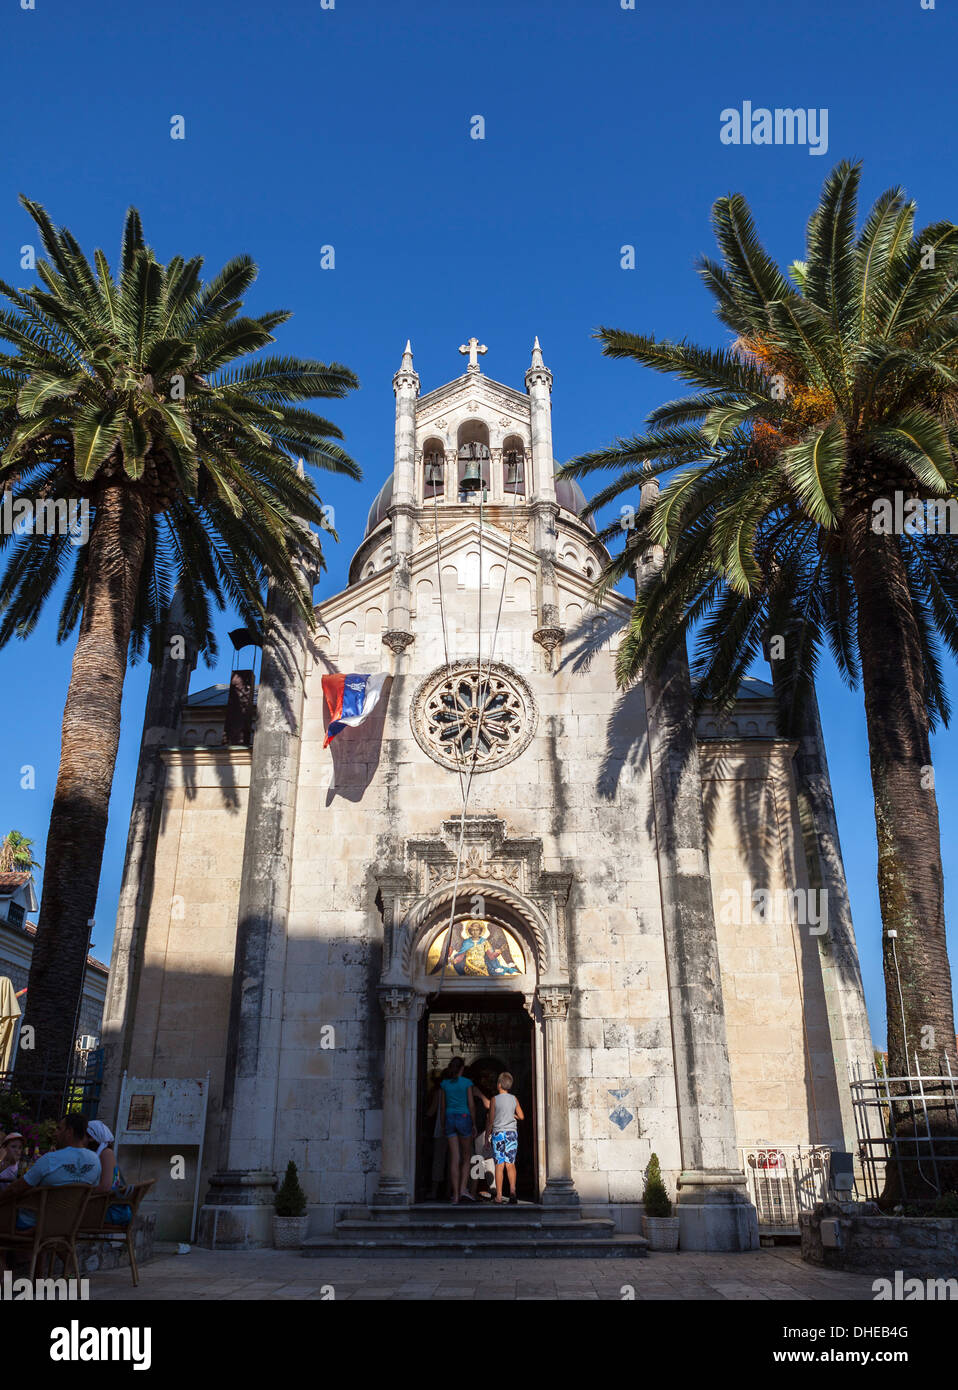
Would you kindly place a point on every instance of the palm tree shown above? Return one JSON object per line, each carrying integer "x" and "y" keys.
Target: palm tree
{"x": 16, "y": 854}
{"x": 837, "y": 393}
{"x": 128, "y": 395}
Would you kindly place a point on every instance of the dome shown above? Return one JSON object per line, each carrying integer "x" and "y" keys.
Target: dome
{"x": 378, "y": 510}
{"x": 570, "y": 496}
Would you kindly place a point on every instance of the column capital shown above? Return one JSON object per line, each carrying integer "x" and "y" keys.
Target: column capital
{"x": 397, "y": 639}
{"x": 401, "y": 1003}
{"x": 554, "y": 1002}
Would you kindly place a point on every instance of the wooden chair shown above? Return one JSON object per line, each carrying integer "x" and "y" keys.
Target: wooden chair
{"x": 59, "y": 1212}
{"x": 96, "y": 1227}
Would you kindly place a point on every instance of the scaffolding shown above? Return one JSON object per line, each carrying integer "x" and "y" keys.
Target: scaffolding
{"x": 910, "y": 1122}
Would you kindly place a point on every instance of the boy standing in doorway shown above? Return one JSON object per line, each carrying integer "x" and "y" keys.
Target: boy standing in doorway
{"x": 501, "y": 1120}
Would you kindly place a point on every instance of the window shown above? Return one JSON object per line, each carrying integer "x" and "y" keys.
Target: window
{"x": 16, "y": 913}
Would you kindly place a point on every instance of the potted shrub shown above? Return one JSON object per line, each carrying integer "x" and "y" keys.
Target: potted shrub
{"x": 660, "y": 1227}
{"x": 289, "y": 1222}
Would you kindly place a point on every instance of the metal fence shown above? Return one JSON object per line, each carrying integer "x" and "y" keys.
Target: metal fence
{"x": 910, "y": 1122}
{"x": 54, "y": 1092}
{"x": 783, "y": 1180}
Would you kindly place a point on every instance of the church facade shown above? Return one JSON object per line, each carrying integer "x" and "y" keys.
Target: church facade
{"x": 510, "y": 859}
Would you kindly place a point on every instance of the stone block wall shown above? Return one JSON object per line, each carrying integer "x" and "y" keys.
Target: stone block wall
{"x": 180, "y": 1015}
{"x": 917, "y": 1247}
{"x": 780, "y": 1048}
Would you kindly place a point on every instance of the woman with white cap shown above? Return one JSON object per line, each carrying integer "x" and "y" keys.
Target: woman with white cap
{"x": 100, "y": 1138}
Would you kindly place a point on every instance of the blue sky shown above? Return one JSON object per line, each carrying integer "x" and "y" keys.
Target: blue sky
{"x": 350, "y": 127}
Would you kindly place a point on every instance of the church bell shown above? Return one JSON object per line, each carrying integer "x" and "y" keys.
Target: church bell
{"x": 472, "y": 477}
{"x": 513, "y": 476}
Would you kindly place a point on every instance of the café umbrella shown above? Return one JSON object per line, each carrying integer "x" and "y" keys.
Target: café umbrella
{"x": 9, "y": 1013}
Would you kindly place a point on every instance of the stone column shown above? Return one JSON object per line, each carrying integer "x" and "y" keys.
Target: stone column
{"x": 713, "y": 1206}
{"x": 238, "y": 1209}
{"x": 403, "y": 507}
{"x": 841, "y": 973}
{"x": 172, "y": 659}
{"x": 402, "y": 1008}
{"x": 545, "y": 508}
{"x": 559, "y": 1189}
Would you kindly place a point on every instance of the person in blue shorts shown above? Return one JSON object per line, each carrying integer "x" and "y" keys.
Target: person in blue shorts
{"x": 501, "y": 1125}
{"x": 458, "y": 1114}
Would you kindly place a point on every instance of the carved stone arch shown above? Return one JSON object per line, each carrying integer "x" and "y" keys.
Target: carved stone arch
{"x": 413, "y": 896}
{"x": 507, "y": 870}
{"x": 501, "y": 904}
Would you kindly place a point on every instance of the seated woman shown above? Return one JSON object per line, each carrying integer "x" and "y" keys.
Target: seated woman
{"x": 100, "y": 1139}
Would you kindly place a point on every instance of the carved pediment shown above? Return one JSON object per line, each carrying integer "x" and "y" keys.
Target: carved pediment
{"x": 495, "y": 864}
{"x": 475, "y": 865}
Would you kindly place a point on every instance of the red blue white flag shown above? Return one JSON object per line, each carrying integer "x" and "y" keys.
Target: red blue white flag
{"x": 350, "y": 700}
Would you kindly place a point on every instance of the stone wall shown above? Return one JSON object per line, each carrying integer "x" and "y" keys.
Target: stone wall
{"x": 780, "y": 1048}
{"x": 94, "y": 1255}
{"x": 581, "y": 786}
{"x": 181, "y": 1009}
{"x": 918, "y": 1247}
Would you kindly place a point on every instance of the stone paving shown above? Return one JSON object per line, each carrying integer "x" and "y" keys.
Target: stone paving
{"x": 769, "y": 1274}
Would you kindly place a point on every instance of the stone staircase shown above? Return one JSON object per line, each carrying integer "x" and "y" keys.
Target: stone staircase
{"x": 525, "y": 1231}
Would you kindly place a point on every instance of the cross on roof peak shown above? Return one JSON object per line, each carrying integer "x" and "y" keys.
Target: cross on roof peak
{"x": 473, "y": 347}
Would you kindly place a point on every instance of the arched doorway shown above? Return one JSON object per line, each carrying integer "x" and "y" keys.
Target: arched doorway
{"x": 478, "y": 976}
{"x": 503, "y": 950}
{"x": 493, "y": 1035}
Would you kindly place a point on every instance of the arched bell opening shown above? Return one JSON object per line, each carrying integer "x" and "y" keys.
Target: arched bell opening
{"x": 473, "y": 459}
{"x": 514, "y": 466}
{"x": 433, "y": 470}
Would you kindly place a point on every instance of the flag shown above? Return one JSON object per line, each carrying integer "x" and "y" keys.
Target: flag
{"x": 350, "y": 700}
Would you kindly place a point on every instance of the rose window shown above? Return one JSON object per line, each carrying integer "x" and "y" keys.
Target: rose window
{"x": 473, "y": 716}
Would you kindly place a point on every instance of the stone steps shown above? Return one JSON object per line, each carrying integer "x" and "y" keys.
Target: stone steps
{"x": 448, "y": 1231}
{"x": 526, "y": 1231}
{"x": 506, "y": 1249}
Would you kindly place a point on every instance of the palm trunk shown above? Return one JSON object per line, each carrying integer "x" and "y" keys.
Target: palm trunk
{"x": 78, "y": 821}
{"x": 910, "y": 880}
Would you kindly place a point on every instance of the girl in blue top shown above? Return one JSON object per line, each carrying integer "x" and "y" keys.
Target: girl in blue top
{"x": 457, "y": 1111}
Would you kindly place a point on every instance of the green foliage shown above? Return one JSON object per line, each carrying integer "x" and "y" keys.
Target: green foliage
{"x": 16, "y": 853}
{"x": 290, "y": 1200}
{"x": 147, "y": 378}
{"x": 655, "y": 1197}
{"x": 839, "y": 387}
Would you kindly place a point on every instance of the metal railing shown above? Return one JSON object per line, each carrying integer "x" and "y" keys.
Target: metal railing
{"x": 910, "y": 1122}
{"x": 783, "y": 1180}
{"x": 54, "y": 1092}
